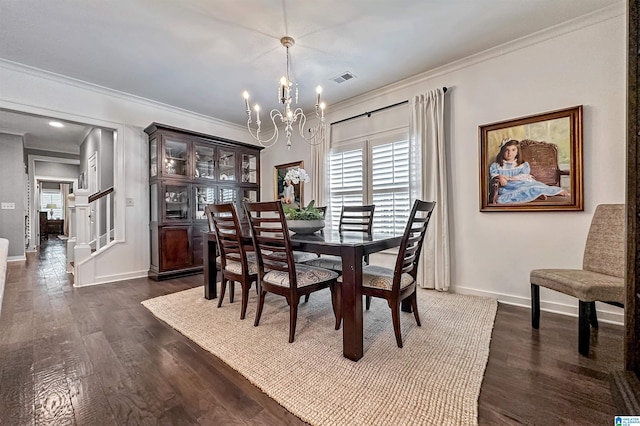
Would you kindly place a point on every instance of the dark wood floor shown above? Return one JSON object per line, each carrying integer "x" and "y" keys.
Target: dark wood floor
{"x": 94, "y": 355}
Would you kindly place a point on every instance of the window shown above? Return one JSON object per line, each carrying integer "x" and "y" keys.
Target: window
{"x": 374, "y": 171}
{"x": 51, "y": 197}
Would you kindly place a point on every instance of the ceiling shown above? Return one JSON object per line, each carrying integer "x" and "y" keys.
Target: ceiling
{"x": 200, "y": 55}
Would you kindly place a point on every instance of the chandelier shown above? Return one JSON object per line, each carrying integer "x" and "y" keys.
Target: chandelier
{"x": 288, "y": 116}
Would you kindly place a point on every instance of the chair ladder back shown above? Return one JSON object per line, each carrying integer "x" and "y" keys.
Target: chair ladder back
{"x": 270, "y": 236}
{"x": 357, "y": 218}
{"x": 228, "y": 233}
{"x": 411, "y": 244}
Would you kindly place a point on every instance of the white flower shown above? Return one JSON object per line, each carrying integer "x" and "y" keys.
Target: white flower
{"x": 297, "y": 175}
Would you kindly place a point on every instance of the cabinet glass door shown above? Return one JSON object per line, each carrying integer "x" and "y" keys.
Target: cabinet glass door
{"x": 203, "y": 195}
{"x": 153, "y": 157}
{"x": 227, "y": 195}
{"x": 249, "y": 168}
{"x": 176, "y": 202}
{"x": 204, "y": 162}
{"x": 226, "y": 165}
{"x": 248, "y": 196}
{"x": 175, "y": 158}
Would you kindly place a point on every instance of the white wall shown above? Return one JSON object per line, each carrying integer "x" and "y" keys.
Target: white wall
{"x": 33, "y": 91}
{"x": 579, "y": 63}
{"x": 12, "y": 186}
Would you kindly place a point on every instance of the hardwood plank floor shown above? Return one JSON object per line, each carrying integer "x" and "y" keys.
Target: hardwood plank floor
{"x": 94, "y": 355}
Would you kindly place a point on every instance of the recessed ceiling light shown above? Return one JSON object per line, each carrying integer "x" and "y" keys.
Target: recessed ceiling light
{"x": 56, "y": 124}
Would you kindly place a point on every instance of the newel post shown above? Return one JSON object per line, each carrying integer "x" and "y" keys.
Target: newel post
{"x": 82, "y": 248}
{"x": 71, "y": 226}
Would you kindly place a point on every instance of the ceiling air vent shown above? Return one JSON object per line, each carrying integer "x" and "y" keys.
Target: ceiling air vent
{"x": 347, "y": 75}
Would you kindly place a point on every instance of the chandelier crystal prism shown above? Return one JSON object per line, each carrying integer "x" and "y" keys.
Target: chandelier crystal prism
{"x": 288, "y": 117}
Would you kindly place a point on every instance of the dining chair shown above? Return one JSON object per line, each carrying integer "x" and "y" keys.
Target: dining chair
{"x": 277, "y": 271}
{"x": 398, "y": 284}
{"x": 352, "y": 219}
{"x": 235, "y": 263}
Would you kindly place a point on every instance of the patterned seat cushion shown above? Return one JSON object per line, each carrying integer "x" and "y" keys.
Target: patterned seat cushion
{"x": 305, "y": 275}
{"x": 328, "y": 262}
{"x": 382, "y": 278}
{"x": 236, "y": 267}
{"x": 587, "y": 286}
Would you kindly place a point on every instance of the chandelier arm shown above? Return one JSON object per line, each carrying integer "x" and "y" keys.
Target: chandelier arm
{"x": 317, "y": 132}
{"x": 256, "y": 135}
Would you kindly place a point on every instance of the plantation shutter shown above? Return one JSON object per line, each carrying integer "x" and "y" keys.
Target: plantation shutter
{"x": 346, "y": 179}
{"x": 390, "y": 185}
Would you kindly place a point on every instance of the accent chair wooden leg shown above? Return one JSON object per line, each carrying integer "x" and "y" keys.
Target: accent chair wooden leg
{"x": 584, "y": 329}
{"x": 306, "y": 298}
{"x": 593, "y": 318}
{"x": 367, "y": 302}
{"x": 535, "y": 306}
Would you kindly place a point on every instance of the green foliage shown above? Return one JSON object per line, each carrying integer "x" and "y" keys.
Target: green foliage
{"x": 307, "y": 213}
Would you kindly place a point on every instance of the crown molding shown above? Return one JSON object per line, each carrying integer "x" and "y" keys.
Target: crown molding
{"x": 6, "y": 131}
{"x": 581, "y": 22}
{"x": 105, "y": 91}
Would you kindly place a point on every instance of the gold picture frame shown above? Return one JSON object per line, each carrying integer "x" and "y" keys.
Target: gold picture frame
{"x": 546, "y": 172}
{"x": 279, "y": 184}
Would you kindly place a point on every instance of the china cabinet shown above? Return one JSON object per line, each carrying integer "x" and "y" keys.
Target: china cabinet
{"x": 187, "y": 171}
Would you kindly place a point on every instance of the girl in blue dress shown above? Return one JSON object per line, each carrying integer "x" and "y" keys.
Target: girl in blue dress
{"x": 516, "y": 185}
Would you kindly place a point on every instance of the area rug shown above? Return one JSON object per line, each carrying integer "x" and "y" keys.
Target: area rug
{"x": 434, "y": 380}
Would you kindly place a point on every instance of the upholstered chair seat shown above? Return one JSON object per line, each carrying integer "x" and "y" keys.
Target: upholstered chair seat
{"x": 587, "y": 286}
{"x": 305, "y": 275}
{"x": 380, "y": 277}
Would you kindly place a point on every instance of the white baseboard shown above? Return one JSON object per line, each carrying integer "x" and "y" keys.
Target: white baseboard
{"x": 16, "y": 258}
{"x": 606, "y": 313}
{"x": 106, "y": 279}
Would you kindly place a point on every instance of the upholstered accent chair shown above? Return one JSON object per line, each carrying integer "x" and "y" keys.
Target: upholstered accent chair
{"x": 278, "y": 273}
{"x": 235, "y": 263}
{"x": 398, "y": 284}
{"x": 601, "y": 278}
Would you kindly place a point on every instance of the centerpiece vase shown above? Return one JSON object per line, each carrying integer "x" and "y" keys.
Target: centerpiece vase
{"x": 305, "y": 226}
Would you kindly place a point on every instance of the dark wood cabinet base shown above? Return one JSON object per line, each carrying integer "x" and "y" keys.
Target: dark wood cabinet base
{"x": 167, "y": 275}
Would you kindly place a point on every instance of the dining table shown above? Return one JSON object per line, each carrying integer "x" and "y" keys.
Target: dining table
{"x": 351, "y": 247}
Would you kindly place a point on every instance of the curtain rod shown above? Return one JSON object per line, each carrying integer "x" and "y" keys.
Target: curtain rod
{"x": 368, "y": 113}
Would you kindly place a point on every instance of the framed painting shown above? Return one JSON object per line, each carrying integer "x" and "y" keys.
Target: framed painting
{"x": 532, "y": 163}
{"x": 286, "y": 191}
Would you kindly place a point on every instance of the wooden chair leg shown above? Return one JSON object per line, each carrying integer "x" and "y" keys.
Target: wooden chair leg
{"x": 367, "y": 302}
{"x": 223, "y": 289}
{"x": 232, "y": 290}
{"x": 293, "y": 317}
{"x": 306, "y": 298}
{"x": 259, "y": 308}
{"x": 337, "y": 307}
{"x": 535, "y": 306}
{"x": 414, "y": 305}
{"x": 395, "y": 316}
{"x": 584, "y": 329}
{"x": 593, "y": 318}
{"x": 245, "y": 300}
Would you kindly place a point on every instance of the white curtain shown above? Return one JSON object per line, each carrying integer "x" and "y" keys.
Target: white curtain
{"x": 320, "y": 173}
{"x": 64, "y": 192}
{"x": 429, "y": 183}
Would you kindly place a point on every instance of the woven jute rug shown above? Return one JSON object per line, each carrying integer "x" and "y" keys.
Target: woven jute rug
{"x": 434, "y": 380}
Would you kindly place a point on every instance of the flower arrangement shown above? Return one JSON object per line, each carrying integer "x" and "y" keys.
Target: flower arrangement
{"x": 297, "y": 175}
{"x": 305, "y": 213}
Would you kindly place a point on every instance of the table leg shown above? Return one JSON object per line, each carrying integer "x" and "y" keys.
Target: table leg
{"x": 352, "y": 333}
{"x": 210, "y": 270}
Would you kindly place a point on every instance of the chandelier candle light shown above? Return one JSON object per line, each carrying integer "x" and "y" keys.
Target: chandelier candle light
{"x": 288, "y": 117}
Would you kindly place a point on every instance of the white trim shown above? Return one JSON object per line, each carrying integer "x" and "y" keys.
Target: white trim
{"x": 20, "y": 258}
{"x": 106, "y": 279}
{"x": 604, "y": 315}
